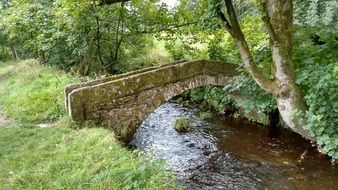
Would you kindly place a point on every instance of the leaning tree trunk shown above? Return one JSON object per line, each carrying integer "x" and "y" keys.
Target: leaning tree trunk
{"x": 278, "y": 18}
{"x": 287, "y": 93}
{"x": 15, "y": 54}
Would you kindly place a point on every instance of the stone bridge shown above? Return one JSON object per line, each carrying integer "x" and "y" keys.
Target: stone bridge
{"x": 124, "y": 101}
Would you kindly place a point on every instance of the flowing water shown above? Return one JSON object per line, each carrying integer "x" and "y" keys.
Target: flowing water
{"x": 227, "y": 153}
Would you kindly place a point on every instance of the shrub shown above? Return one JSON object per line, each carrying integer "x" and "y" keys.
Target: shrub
{"x": 317, "y": 74}
{"x": 212, "y": 96}
{"x": 205, "y": 115}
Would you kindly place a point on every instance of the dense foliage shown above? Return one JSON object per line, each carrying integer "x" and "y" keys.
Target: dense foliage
{"x": 208, "y": 97}
{"x": 80, "y": 36}
{"x": 258, "y": 99}
{"x": 317, "y": 73}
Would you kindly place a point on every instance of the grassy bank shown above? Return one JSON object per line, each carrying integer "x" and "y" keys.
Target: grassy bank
{"x": 61, "y": 157}
{"x": 30, "y": 92}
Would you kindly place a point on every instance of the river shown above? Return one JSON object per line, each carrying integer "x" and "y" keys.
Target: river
{"x": 228, "y": 153}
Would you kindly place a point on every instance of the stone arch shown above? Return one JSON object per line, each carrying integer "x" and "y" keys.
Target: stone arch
{"x": 124, "y": 101}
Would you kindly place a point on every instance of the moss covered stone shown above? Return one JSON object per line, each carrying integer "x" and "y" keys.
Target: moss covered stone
{"x": 183, "y": 124}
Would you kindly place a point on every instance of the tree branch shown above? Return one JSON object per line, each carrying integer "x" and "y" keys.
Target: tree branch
{"x": 119, "y": 37}
{"x": 107, "y": 2}
{"x": 224, "y": 19}
{"x": 266, "y": 19}
{"x": 170, "y": 28}
{"x": 98, "y": 36}
{"x": 232, "y": 14}
{"x": 249, "y": 64}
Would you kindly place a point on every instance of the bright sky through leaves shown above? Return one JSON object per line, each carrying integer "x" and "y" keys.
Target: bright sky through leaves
{"x": 170, "y": 3}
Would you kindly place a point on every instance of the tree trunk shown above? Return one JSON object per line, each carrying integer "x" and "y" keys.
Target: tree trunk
{"x": 287, "y": 93}
{"x": 278, "y": 17}
{"x": 279, "y": 20}
{"x": 15, "y": 54}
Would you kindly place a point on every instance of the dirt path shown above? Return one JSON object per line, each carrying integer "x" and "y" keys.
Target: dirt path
{"x": 4, "y": 122}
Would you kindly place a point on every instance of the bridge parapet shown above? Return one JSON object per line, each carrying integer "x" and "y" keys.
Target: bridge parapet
{"x": 125, "y": 100}
{"x": 72, "y": 87}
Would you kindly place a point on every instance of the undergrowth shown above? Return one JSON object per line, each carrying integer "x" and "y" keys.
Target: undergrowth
{"x": 317, "y": 74}
{"x": 208, "y": 97}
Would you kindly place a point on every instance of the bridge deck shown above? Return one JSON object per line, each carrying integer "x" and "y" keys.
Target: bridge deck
{"x": 125, "y": 99}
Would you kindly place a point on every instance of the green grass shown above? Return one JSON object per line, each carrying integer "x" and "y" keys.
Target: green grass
{"x": 63, "y": 158}
{"x": 5, "y": 67}
{"x": 30, "y": 92}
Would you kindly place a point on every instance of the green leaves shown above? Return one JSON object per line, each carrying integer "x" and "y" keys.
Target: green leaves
{"x": 316, "y": 73}
{"x": 72, "y": 33}
{"x": 315, "y": 12}
{"x": 210, "y": 95}
{"x": 245, "y": 85}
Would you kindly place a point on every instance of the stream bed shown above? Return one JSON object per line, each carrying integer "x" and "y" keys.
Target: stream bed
{"x": 227, "y": 153}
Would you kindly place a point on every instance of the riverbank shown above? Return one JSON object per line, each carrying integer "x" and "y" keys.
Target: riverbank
{"x": 65, "y": 156}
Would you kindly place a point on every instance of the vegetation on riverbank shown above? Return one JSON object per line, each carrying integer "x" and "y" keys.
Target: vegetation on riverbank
{"x": 235, "y": 99}
{"x": 63, "y": 158}
{"x": 316, "y": 69}
{"x": 66, "y": 156}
